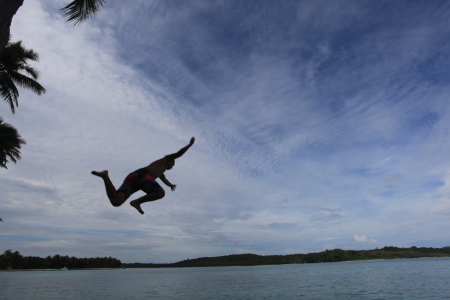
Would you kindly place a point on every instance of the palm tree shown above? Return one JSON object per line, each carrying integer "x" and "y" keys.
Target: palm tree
{"x": 79, "y": 10}
{"x": 13, "y": 61}
{"x": 10, "y": 143}
{"x": 7, "y": 11}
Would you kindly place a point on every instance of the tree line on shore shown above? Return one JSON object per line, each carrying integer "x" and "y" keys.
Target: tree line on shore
{"x": 14, "y": 260}
{"x": 336, "y": 255}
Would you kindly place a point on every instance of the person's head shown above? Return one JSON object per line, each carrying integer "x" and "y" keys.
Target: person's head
{"x": 170, "y": 163}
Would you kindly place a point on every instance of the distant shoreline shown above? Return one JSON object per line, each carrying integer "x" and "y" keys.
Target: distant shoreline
{"x": 74, "y": 269}
{"x": 30, "y": 263}
{"x": 167, "y": 267}
{"x": 13, "y": 260}
{"x": 335, "y": 255}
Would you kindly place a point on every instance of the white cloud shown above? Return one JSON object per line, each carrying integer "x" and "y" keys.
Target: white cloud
{"x": 363, "y": 239}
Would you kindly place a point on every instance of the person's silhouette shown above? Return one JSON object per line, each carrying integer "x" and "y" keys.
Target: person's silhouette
{"x": 143, "y": 179}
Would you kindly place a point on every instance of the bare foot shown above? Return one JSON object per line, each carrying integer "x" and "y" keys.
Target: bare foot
{"x": 137, "y": 206}
{"x": 101, "y": 174}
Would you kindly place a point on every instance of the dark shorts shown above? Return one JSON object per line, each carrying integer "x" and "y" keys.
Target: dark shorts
{"x": 139, "y": 180}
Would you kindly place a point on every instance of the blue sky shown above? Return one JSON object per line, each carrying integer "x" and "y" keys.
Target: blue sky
{"x": 318, "y": 125}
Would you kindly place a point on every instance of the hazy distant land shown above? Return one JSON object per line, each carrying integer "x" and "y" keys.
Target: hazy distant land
{"x": 336, "y": 255}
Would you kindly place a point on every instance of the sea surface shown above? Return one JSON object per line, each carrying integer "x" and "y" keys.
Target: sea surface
{"x": 422, "y": 278}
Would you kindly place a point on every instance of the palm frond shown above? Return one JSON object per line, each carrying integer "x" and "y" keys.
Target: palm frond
{"x": 14, "y": 60}
{"x": 27, "y": 82}
{"x": 21, "y": 51}
{"x": 15, "y": 53}
{"x": 30, "y": 71}
{"x": 29, "y": 54}
{"x": 10, "y": 145}
{"x": 8, "y": 91}
{"x": 79, "y": 11}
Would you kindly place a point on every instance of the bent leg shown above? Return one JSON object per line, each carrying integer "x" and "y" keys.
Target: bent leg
{"x": 116, "y": 198}
{"x": 149, "y": 197}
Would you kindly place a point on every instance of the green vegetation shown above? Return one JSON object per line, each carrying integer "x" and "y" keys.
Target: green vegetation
{"x": 388, "y": 252}
{"x": 14, "y": 260}
{"x": 79, "y": 11}
{"x": 15, "y": 70}
{"x": 10, "y": 145}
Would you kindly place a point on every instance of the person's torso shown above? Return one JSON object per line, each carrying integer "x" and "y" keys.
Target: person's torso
{"x": 157, "y": 168}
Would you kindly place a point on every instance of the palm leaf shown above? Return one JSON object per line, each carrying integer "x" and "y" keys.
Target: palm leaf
{"x": 15, "y": 53}
{"x": 79, "y": 10}
{"x": 30, "y": 71}
{"x": 10, "y": 145}
{"x": 8, "y": 91}
{"x": 14, "y": 60}
{"x": 27, "y": 82}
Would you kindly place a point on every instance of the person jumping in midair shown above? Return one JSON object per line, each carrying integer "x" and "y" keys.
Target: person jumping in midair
{"x": 143, "y": 179}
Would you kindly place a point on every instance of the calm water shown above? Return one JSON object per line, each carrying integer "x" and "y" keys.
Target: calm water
{"x": 424, "y": 278}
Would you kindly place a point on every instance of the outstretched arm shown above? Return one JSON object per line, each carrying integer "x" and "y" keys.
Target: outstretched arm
{"x": 181, "y": 151}
{"x": 167, "y": 182}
